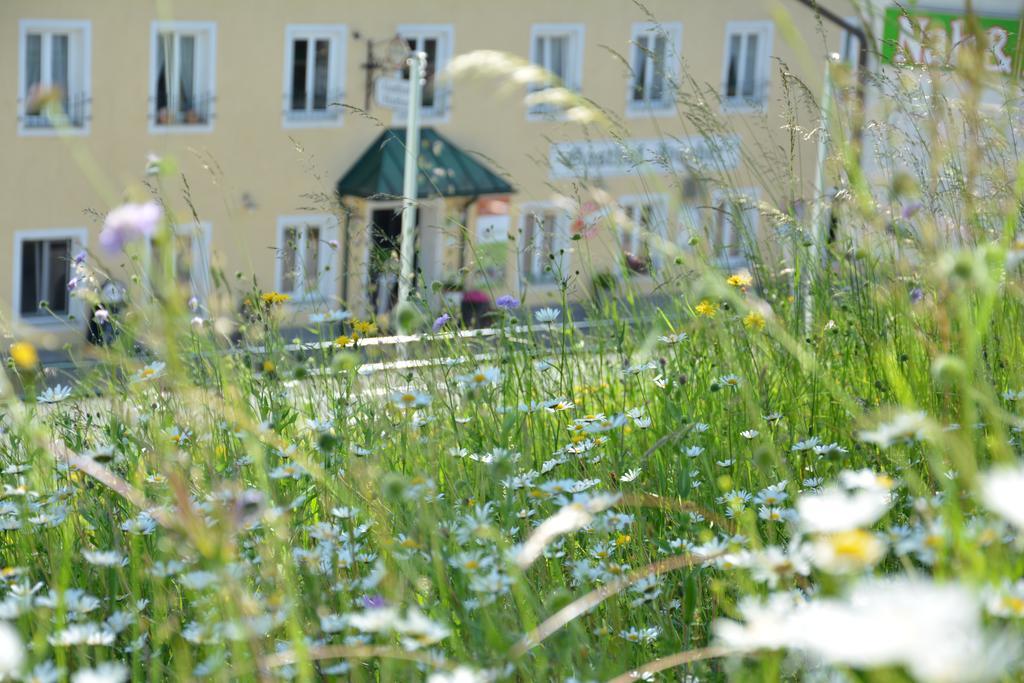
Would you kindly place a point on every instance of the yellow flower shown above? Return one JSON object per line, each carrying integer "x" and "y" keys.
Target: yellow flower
{"x": 272, "y": 298}
{"x": 24, "y": 355}
{"x": 707, "y": 309}
{"x": 364, "y": 327}
{"x": 741, "y": 280}
{"x": 753, "y": 321}
{"x": 268, "y": 366}
{"x": 343, "y": 340}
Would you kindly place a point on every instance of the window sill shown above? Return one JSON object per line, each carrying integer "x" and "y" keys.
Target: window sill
{"x": 51, "y": 131}
{"x": 635, "y": 110}
{"x": 331, "y": 120}
{"x": 554, "y": 115}
{"x": 180, "y": 128}
{"x": 739, "y": 106}
{"x": 47, "y": 321}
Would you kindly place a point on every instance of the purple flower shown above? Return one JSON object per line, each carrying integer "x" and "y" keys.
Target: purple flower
{"x": 374, "y": 601}
{"x": 916, "y": 294}
{"x": 441, "y": 321}
{"x": 910, "y": 209}
{"x": 80, "y": 257}
{"x": 129, "y": 222}
{"x": 101, "y": 315}
{"x": 72, "y": 283}
{"x": 507, "y": 301}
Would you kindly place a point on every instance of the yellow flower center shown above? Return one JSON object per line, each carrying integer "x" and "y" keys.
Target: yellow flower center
{"x": 1013, "y": 604}
{"x": 856, "y": 545}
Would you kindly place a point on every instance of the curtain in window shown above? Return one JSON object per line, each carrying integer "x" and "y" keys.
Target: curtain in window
{"x": 311, "y": 260}
{"x": 59, "y": 66}
{"x": 164, "y": 47}
{"x": 733, "y": 75}
{"x": 186, "y": 71}
{"x": 33, "y": 69}
{"x": 639, "y": 68}
{"x": 658, "y": 77}
{"x": 538, "y": 49}
{"x": 430, "y": 47}
{"x": 749, "y": 86}
{"x": 323, "y": 51}
{"x": 558, "y": 57}
{"x": 527, "y": 239}
{"x": 550, "y": 245}
{"x": 289, "y": 259}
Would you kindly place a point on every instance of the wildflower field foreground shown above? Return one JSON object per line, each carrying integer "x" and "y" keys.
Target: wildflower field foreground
{"x": 696, "y": 491}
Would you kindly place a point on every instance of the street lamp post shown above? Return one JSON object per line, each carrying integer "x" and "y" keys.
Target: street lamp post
{"x": 820, "y": 250}
{"x": 417, "y": 63}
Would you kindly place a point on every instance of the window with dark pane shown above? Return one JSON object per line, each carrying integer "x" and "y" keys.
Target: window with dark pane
{"x": 45, "y": 273}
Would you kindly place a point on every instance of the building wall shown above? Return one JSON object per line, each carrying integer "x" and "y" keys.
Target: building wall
{"x": 250, "y": 169}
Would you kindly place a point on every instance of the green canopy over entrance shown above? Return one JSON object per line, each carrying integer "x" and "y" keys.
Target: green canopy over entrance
{"x": 445, "y": 170}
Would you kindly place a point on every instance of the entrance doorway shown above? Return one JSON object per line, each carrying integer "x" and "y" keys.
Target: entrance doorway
{"x": 385, "y": 257}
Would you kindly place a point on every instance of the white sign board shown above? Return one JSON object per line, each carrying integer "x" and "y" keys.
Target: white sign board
{"x": 605, "y": 158}
{"x": 392, "y": 92}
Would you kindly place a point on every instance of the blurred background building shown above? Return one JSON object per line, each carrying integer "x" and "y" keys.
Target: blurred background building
{"x": 679, "y": 118}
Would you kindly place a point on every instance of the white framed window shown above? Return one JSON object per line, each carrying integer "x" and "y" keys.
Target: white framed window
{"x": 307, "y": 257}
{"x": 182, "y": 88}
{"x": 646, "y": 218}
{"x": 557, "y": 48}
{"x": 190, "y": 258}
{"x": 849, "y": 45}
{"x": 543, "y": 243}
{"x": 745, "y": 68}
{"x": 437, "y": 41}
{"x": 43, "y": 269}
{"x": 54, "y": 76}
{"x": 734, "y": 225}
{"x": 314, "y": 74}
{"x": 655, "y": 53}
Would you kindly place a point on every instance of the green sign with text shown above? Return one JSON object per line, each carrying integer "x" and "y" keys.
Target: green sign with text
{"x": 926, "y": 38}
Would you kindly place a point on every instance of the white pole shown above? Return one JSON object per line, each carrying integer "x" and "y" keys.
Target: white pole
{"x": 818, "y": 214}
{"x": 416, "y": 61}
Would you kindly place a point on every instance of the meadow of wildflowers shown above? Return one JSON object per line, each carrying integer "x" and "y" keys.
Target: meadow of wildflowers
{"x": 766, "y": 476}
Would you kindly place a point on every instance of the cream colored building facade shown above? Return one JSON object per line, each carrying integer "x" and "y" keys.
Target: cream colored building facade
{"x": 241, "y": 94}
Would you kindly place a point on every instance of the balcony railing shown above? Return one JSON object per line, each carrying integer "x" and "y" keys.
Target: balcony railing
{"x": 72, "y": 112}
{"x": 194, "y": 112}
